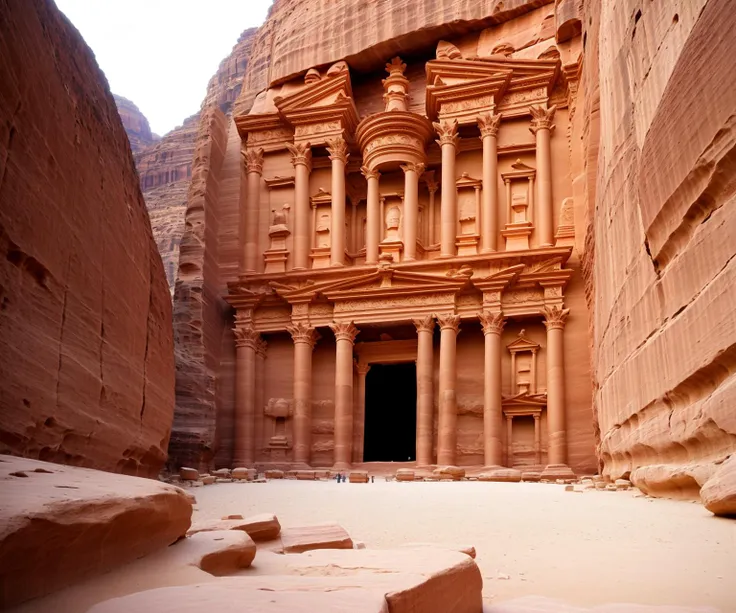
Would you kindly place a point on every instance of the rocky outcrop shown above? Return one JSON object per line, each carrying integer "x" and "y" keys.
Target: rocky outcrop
{"x": 135, "y": 124}
{"x": 86, "y": 348}
{"x": 61, "y": 524}
{"x": 664, "y": 232}
{"x": 719, "y": 492}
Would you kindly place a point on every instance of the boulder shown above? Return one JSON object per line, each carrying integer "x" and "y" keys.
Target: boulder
{"x": 188, "y": 474}
{"x": 453, "y": 473}
{"x": 221, "y": 473}
{"x": 244, "y": 474}
{"x": 552, "y": 472}
{"x": 503, "y": 475}
{"x": 622, "y": 484}
{"x": 359, "y": 476}
{"x": 264, "y": 527}
{"x": 208, "y": 479}
{"x": 305, "y": 475}
{"x": 719, "y": 492}
{"x": 218, "y": 553}
{"x": 320, "y": 536}
{"x": 61, "y": 524}
{"x": 468, "y": 550}
{"x": 404, "y": 474}
{"x": 531, "y": 475}
{"x": 274, "y": 474}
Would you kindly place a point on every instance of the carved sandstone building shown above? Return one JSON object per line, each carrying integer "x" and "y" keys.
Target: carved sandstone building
{"x": 407, "y": 287}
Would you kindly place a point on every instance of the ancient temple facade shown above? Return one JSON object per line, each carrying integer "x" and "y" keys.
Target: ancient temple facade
{"x": 408, "y": 287}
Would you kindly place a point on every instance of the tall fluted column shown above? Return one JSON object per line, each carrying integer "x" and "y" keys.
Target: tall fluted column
{"x": 432, "y": 188}
{"x": 411, "y": 208}
{"x": 448, "y": 207}
{"x": 447, "y": 436}
{"x": 260, "y": 395}
{"x": 425, "y": 389}
{"x": 249, "y": 226}
{"x": 555, "y": 319}
{"x": 359, "y": 420}
{"x": 338, "y": 150}
{"x": 493, "y": 324}
{"x": 373, "y": 216}
{"x": 345, "y": 333}
{"x": 542, "y": 127}
{"x": 304, "y": 338}
{"x": 246, "y": 339}
{"x": 489, "y": 125}
{"x": 301, "y": 158}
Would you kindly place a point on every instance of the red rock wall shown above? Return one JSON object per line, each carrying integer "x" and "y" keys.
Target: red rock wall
{"x": 135, "y": 124}
{"x": 665, "y": 236}
{"x": 86, "y": 349}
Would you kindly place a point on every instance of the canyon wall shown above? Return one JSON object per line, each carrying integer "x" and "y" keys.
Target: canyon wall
{"x": 664, "y": 230}
{"x": 86, "y": 347}
{"x": 135, "y": 124}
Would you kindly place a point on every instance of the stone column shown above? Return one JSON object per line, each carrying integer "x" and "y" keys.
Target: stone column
{"x": 425, "y": 389}
{"x": 260, "y": 398}
{"x": 411, "y": 209}
{"x": 249, "y": 226}
{"x": 301, "y": 158}
{"x": 345, "y": 333}
{"x": 373, "y": 216}
{"x": 432, "y": 187}
{"x": 537, "y": 439}
{"x": 338, "y": 150}
{"x": 448, "y": 207}
{"x": 304, "y": 338}
{"x": 447, "y": 439}
{"x": 246, "y": 339}
{"x": 509, "y": 437}
{"x": 359, "y": 421}
{"x": 493, "y": 324}
{"x": 555, "y": 318}
{"x": 489, "y": 125}
{"x": 542, "y": 128}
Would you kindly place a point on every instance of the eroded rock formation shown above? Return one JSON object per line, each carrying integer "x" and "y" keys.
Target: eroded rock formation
{"x": 86, "y": 342}
{"x": 135, "y": 124}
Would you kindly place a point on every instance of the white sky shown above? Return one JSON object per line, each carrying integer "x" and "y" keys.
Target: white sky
{"x": 161, "y": 53}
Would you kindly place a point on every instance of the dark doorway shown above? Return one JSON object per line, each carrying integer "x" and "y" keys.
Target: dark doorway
{"x": 390, "y": 413}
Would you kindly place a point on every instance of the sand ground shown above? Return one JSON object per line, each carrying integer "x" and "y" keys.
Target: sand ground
{"x": 585, "y": 548}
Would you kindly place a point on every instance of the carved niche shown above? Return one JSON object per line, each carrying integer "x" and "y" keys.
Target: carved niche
{"x": 321, "y": 222}
{"x": 468, "y": 205}
{"x": 519, "y": 184}
{"x": 279, "y": 410}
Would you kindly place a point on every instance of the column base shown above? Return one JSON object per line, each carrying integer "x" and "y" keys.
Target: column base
{"x": 558, "y": 471}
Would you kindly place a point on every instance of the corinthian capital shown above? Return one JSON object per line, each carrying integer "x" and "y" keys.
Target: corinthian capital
{"x": 447, "y": 131}
{"x": 338, "y": 149}
{"x": 369, "y": 174}
{"x": 542, "y": 118}
{"x": 261, "y": 347}
{"x": 425, "y": 324}
{"x": 303, "y": 333}
{"x": 492, "y": 323}
{"x": 253, "y": 159}
{"x": 344, "y": 331}
{"x": 417, "y": 168}
{"x": 489, "y": 124}
{"x": 448, "y": 321}
{"x": 555, "y": 317}
{"x": 246, "y": 336}
{"x": 301, "y": 153}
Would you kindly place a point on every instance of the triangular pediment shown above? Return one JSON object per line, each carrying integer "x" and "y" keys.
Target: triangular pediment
{"x": 522, "y": 343}
{"x": 325, "y": 92}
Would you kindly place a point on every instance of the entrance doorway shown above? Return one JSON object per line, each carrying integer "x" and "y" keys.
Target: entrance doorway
{"x": 390, "y": 413}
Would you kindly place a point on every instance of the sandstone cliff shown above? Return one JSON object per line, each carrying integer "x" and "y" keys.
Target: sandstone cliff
{"x": 135, "y": 124}
{"x": 664, "y": 231}
{"x": 86, "y": 348}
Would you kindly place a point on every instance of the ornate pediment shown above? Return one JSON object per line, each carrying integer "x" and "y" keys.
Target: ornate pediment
{"x": 522, "y": 343}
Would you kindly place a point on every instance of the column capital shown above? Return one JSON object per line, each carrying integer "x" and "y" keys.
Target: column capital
{"x": 301, "y": 153}
{"x": 362, "y": 368}
{"x": 261, "y": 347}
{"x": 303, "y": 333}
{"x": 411, "y": 166}
{"x": 448, "y": 321}
{"x": 447, "y": 131}
{"x": 492, "y": 323}
{"x": 246, "y": 336}
{"x": 338, "y": 149}
{"x": 253, "y": 159}
{"x": 489, "y": 124}
{"x": 344, "y": 330}
{"x": 424, "y": 324}
{"x": 542, "y": 118}
{"x": 369, "y": 173}
{"x": 555, "y": 317}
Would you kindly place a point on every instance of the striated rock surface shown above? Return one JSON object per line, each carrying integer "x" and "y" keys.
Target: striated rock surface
{"x": 719, "y": 492}
{"x": 664, "y": 232}
{"x": 85, "y": 318}
{"x": 62, "y": 524}
{"x": 135, "y": 124}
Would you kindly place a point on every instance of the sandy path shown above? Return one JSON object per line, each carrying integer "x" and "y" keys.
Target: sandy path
{"x": 587, "y": 549}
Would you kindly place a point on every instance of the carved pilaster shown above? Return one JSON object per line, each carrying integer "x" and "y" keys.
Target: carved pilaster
{"x": 253, "y": 159}
{"x": 425, "y": 324}
{"x": 246, "y": 336}
{"x": 302, "y": 333}
{"x": 555, "y": 317}
{"x": 338, "y": 149}
{"x": 447, "y": 131}
{"x": 542, "y": 118}
{"x": 344, "y": 331}
{"x": 489, "y": 124}
{"x": 448, "y": 321}
{"x": 301, "y": 154}
{"x": 492, "y": 323}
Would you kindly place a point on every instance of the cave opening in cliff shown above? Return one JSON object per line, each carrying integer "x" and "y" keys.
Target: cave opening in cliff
{"x": 390, "y": 413}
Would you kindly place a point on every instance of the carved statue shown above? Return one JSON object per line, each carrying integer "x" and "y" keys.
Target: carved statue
{"x": 323, "y": 230}
{"x": 279, "y": 221}
{"x": 393, "y": 219}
